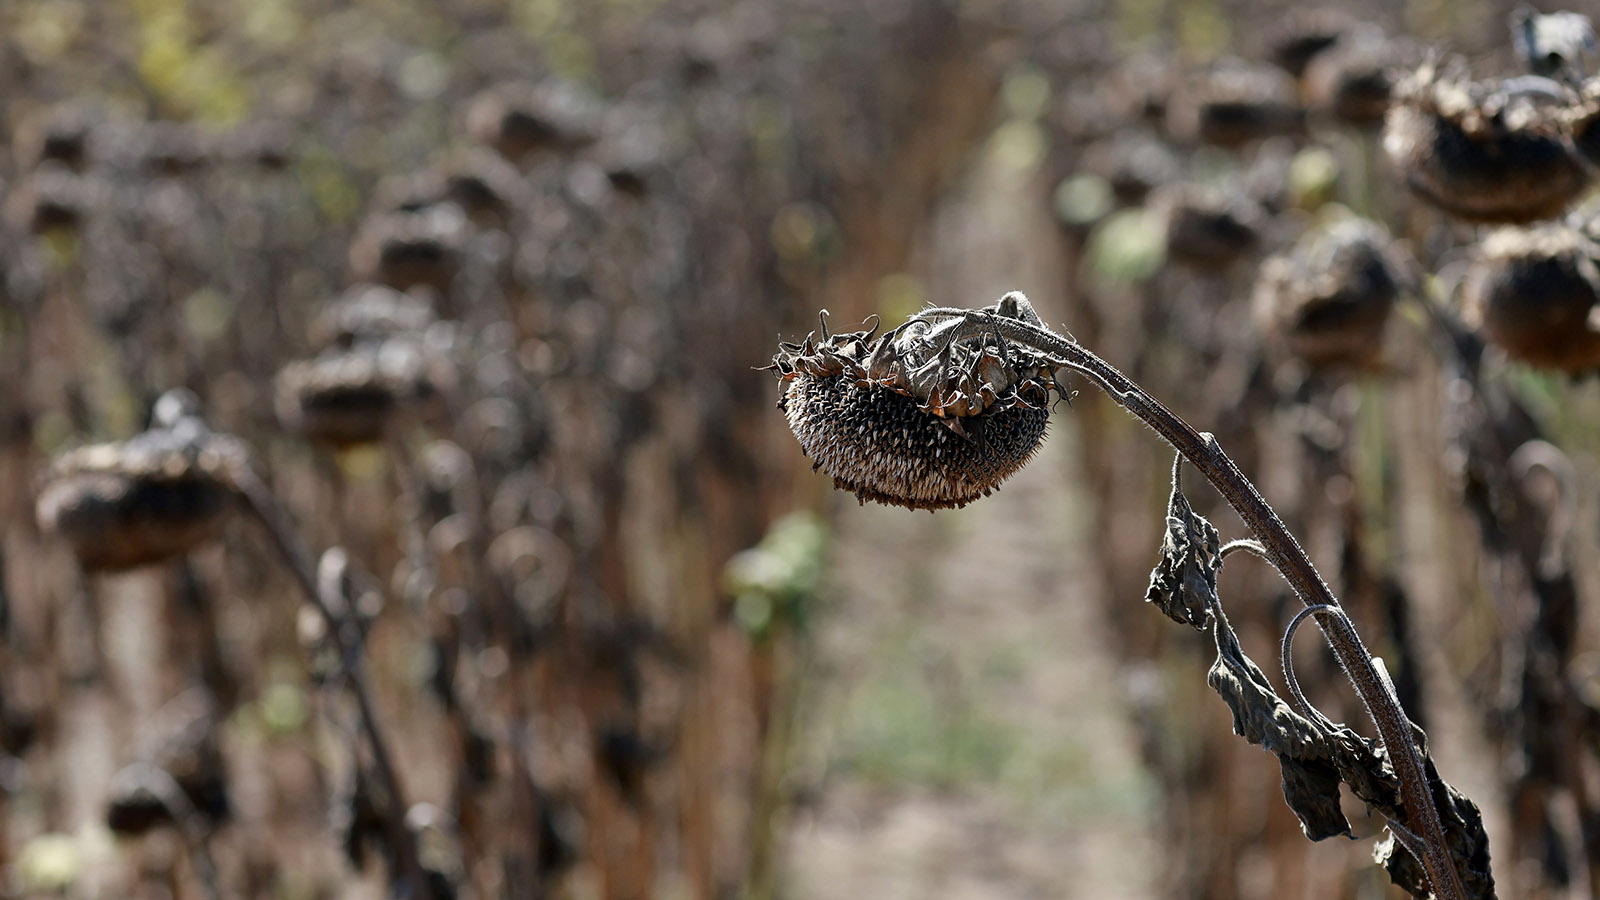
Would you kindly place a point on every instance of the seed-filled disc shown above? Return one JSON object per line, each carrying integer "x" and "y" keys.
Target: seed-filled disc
{"x": 934, "y": 414}
{"x": 879, "y": 444}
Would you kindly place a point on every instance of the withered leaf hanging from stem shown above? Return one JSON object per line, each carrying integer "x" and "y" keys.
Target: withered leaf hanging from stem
{"x": 1184, "y": 582}
{"x": 1316, "y": 758}
{"x": 1316, "y": 755}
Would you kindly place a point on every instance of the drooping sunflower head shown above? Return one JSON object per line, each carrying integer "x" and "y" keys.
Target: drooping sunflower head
{"x": 146, "y": 499}
{"x": 1484, "y": 152}
{"x": 932, "y": 415}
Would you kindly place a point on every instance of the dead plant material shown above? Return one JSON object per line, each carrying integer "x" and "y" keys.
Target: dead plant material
{"x": 1207, "y": 228}
{"x": 920, "y": 417}
{"x": 1440, "y": 829}
{"x": 1484, "y": 152}
{"x": 1237, "y": 104}
{"x": 366, "y": 312}
{"x": 1535, "y": 294}
{"x": 407, "y": 249}
{"x": 1353, "y": 82}
{"x": 146, "y": 499}
{"x": 346, "y": 397}
{"x": 1329, "y": 298}
{"x": 520, "y": 120}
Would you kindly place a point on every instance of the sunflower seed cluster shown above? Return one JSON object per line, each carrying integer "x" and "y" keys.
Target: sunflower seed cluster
{"x": 1485, "y": 152}
{"x": 158, "y": 494}
{"x": 915, "y": 417}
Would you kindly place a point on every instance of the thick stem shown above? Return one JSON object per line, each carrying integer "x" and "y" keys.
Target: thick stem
{"x": 345, "y": 633}
{"x": 1281, "y": 549}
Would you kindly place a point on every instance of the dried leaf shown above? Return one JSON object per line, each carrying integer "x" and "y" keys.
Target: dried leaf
{"x": 1184, "y": 582}
{"x": 1316, "y": 757}
{"x": 1306, "y": 751}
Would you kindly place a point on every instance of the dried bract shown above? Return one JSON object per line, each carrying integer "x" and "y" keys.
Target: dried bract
{"x": 925, "y": 416}
{"x": 1329, "y": 299}
{"x": 1535, "y": 294}
{"x": 1483, "y": 152}
{"x": 144, "y": 500}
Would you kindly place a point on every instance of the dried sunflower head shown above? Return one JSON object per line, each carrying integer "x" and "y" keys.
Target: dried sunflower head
{"x": 481, "y": 182}
{"x": 183, "y": 757}
{"x": 371, "y": 312}
{"x": 1329, "y": 298}
{"x": 346, "y": 397}
{"x": 408, "y": 248}
{"x": 1535, "y": 294}
{"x": 61, "y": 134}
{"x": 1352, "y": 81}
{"x": 518, "y": 120}
{"x": 146, "y": 499}
{"x": 1304, "y": 35}
{"x": 928, "y": 416}
{"x": 1236, "y": 104}
{"x": 1134, "y": 163}
{"x": 172, "y": 149}
{"x": 1583, "y": 119}
{"x": 51, "y": 198}
{"x": 1206, "y": 227}
{"x": 1484, "y": 152}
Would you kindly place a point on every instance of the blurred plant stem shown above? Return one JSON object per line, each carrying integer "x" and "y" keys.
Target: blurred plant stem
{"x": 322, "y": 588}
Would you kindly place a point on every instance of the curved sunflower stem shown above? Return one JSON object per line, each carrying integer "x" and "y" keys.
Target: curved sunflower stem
{"x": 321, "y": 587}
{"x": 1279, "y": 547}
